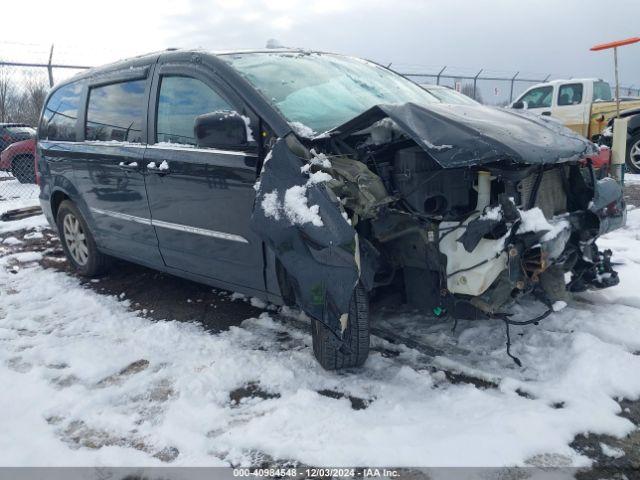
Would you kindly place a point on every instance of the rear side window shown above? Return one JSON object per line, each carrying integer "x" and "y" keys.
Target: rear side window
{"x": 570, "y": 94}
{"x": 601, "y": 92}
{"x": 181, "y": 100}
{"x": 60, "y": 114}
{"x": 538, "y": 97}
{"x": 116, "y": 112}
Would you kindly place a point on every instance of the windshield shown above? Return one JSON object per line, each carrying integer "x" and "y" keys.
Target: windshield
{"x": 447, "y": 95}
{"x": 322, "y": 91}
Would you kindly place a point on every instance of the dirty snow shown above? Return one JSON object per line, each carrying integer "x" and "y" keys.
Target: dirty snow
{"x": 11, "y": 241}
{"x": 94, "y": 383}
{"x": 303, "y": 130}
{"x": 268, "y": 156}
{"x": 432, "y": 146}
{"x": 492, "y": 213}
{"x": 533, "y": 220}
{"x": 559, "y": 305}
{"x": 247, "y": 123}
{"x": 173, "y": 145}
{"x": 610, "y": 451}
{"x": 318, "y": 177}
{"x": 319, "y": 159}
{"x": 271, "y": 205}
{"x": 294, "y": 205}
{"x": 296, "y": 209}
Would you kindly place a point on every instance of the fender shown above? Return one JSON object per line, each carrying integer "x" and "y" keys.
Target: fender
{"x": 633, "y": 126}
{"x": 322, "y": 256}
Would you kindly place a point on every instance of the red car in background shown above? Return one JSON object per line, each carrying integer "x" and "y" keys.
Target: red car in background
{"x": 19, "y": 159}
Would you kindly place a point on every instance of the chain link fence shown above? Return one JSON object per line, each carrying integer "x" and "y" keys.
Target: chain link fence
{"x": 24, "y": 85}
{"x": 22, "y": 94}
{"x": 485, "y": 86}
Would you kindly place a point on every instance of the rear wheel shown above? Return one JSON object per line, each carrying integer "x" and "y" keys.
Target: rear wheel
{"x": 23, "y": 169}
{"x": 633, "y": 154}
{"x": 77, "y": 241}
{"x": 353, "y": 350}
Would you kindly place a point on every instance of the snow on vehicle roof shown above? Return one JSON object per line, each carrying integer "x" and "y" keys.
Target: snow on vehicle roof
{"x": 136, "y": 60}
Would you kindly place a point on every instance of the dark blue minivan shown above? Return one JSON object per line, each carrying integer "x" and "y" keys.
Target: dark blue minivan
{"x": 320, "y": 181}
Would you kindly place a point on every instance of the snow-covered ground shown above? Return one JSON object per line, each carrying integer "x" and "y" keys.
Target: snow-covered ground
{"x": 88, "y": 380}
{"x": 14, "y": 194}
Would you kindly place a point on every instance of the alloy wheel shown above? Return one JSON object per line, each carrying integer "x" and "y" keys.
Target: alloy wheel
{"x": 634, "y": 154}
{"x": 75, "y": 239}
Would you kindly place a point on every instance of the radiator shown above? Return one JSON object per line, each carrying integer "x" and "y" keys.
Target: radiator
{"x": 551, "y": 198}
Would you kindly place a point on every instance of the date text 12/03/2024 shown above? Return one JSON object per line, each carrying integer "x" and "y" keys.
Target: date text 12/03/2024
{"x": 317, "y": 472}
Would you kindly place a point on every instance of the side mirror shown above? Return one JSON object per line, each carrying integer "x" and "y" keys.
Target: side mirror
{"x": 220, "y": 129}
{"x": 519, "y": 105}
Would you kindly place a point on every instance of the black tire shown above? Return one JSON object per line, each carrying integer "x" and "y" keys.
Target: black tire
{"x": 89, "y": 263}
{"x": 23, "y": 169}
{"x": 633, "y": 154}
{"x": 330, "y": 352}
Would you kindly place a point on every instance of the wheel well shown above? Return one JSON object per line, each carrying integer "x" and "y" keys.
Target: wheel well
{"x": 287, "y": 285}
{"x": 56, "y": 200}
{"x": 20, "y": 157}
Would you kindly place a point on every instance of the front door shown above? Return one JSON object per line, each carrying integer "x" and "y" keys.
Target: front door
{"x": 538, "y": 100}
{"x": 109, "y": 172}
{"x": 201, "y": 199}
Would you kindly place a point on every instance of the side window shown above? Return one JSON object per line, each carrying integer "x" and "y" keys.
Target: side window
{"x": 116, "y": 112}
{"x": 601, "y": 92}
{"x": 60, "y": 114}
{"x": 538, "y": 97}
{"x": 570, "y": 94}
{"x": 181, "y": 100}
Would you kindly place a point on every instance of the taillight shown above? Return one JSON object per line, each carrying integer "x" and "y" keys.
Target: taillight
{"x": 601, "y": 159}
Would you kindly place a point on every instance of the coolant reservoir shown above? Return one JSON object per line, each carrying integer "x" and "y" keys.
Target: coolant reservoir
{"x": 484, "y": 190}
{"x": 488, "y": 253}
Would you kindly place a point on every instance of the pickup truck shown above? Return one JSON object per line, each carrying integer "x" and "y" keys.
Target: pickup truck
{"x": 632, "y": 156}
{"x": 584, "y": 105}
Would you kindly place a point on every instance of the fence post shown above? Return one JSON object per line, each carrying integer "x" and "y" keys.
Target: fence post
{"x": 513, "y": 79}
{"x": 475, "y": 80}
{"x": 49, "y": 67}
{"x": 440, "y": 73}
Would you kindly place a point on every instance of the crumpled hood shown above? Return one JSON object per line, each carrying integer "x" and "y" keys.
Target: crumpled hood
{"x": 465, "y": 135}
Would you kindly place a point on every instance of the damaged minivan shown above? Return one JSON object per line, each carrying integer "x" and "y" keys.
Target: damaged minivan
{"x": 322, "y": 181}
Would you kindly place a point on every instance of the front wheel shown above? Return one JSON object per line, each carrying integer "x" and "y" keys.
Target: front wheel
{"x": 633, "y": 154}
{"x": 353, "y": 350}
{"x": 77, "y": 241}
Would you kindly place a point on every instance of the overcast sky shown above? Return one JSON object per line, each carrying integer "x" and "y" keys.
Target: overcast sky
{"x": 535, "y": 37}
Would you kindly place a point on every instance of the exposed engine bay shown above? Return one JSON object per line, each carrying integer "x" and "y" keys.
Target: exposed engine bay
{"x": 463, "y": 215}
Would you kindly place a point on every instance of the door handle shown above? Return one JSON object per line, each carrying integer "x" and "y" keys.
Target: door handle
{"x": 546, "y": 114}
{"x": 158, "y": 168}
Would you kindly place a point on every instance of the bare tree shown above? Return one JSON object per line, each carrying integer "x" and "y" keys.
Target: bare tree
{"x": 28, "y": 99}
{"x": 35, "y": 90}
{"x": 7, "y": 93}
